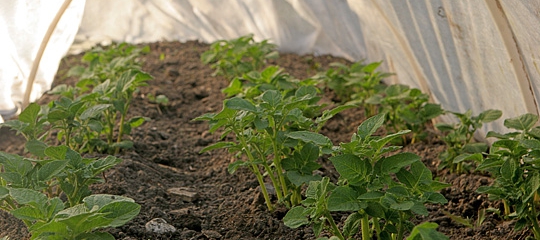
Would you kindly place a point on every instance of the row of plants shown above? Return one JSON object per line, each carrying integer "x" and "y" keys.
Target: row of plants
{"x": 275, "y": 119}
{"x": 48, "y": 187}
{"x": 271, "y": 122}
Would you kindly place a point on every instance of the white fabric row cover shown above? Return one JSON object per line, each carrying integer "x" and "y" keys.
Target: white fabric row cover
{"x": 23, "y": 24}
{"x": 474, "y": 55}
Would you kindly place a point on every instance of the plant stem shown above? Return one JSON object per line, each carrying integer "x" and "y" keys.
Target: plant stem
{"x": 256, "y": 170}
{"x": 506, "y": 208}
{"x": 120, "y": 132}
{"x": 534, "y": 221}
{"x": 377, "y": 227}
{"x": 263, "y": 187}
{"x": 401, "y": 229}
{"x": 277, "y": 156}
{"x": 335, "y": 229}
{"x": 364, "y": 226}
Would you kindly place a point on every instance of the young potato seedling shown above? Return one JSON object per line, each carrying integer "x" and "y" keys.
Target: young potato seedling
{"x": 382, "y": 192}
{"x": 514, "y": 161}
{"x": 236, "y": 57}
{"x": 406, "y": 108}
{"x": 459, "y": 139}
{"x": 355, "y": 83}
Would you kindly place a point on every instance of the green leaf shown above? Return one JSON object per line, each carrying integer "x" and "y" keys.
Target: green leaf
{"x": 508, "y": 169}
{"x": 51, "y": 170}
{"x": 426, "y": 231}
{"x": 476, "y": 147}
{"x": 125, "y": 144}
{"x": 420, "y": 209}
{"x": 295, "y": 217}
{"x": 137, "y": 121}
{"x": 235, "y": 165}
{"x": 310, "y": 137}
{"x": 444, "y": 127}
{"x": 272, "y": 97}
{"x": 477, "y": 157}
{"x": 352, "y": 224}
{"x": 217, "y": 145}
{"x": 344, "y": 198}
{"x": 30, "y": 114}
{"x": 4, "y": 192}
{"x": 524, "y": 122}
{"x": 58, "y": 152}
{"x": 369, "y": 126}
{"x": 489, "y": 115}
{"x": 240, "y": 104}
{"x": 28, "y": 213}
{"x": 394, "y": 163}
{"x": 351, "y": 167}
{"x": 94, "y": 111}
{"x": 298, "y": 179}
{"x": 121, "y": 210}
{"x": 402, "y": 206}
{"x": 28, "y": 196}
{"x": 36, "y": 147}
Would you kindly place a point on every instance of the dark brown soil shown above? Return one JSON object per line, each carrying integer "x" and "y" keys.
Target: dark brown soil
{"x": 166, "y": 155}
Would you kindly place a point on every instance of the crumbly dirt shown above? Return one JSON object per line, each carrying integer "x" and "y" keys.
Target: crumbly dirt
{"x": 166, "y": 155}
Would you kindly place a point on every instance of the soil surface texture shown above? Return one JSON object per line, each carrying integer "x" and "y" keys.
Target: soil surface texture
{"x": 216, "y": 204}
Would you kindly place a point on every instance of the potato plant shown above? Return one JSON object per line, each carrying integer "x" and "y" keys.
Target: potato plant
{"x": 32, "y": 189}
{"x": 381, "y": 192}
{"x": 273, "y": 136}
{"x": 233, "y": 58}
{"x": 355, "y": 83}
{"x": 459, "y": 138}
{"x": 100, "y": 100}
{"x": 514, "y": 162}
{"x": 406, "y": 108}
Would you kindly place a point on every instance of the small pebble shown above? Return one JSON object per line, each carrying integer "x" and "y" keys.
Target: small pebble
{"x": 160, "y": 226}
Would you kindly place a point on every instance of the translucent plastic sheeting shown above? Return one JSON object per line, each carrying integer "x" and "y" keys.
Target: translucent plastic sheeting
{"x": 474, "y": 55}
{"x": 23, "y": 24}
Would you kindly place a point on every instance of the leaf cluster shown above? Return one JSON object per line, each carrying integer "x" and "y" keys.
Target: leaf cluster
{"x": 459, "y": 138}
{"x": 275, "y": 132}
{"x": 406, "y": 108}
{"x": 50, "y": 191}
{"x": 514, "y": 162}
{"x": 235, "y": 57}
{"x": 93, "y": 114}
{"x": 381, "y": 192}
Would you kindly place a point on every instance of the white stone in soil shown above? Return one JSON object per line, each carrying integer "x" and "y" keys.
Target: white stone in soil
{"x": 160, "y": 226}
